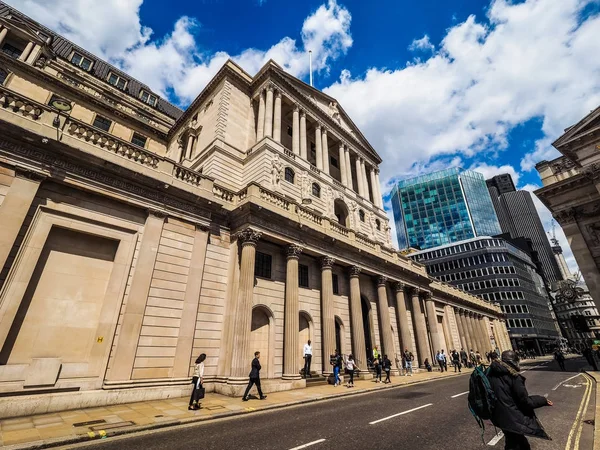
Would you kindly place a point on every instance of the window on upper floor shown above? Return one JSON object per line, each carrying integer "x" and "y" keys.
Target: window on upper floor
{"x": 289, "y": 175}
{"x": 148, "y": 98}
{"x": 361, "y": 215}
{"x": 81, "y": 61}
{"x": 262, "y": 266}
{"x": 336, "y": 284}
{"x": 316, "y": 190}
{"x": 139, "y": 140}
{"x": 102, "y": 122}
{"x": 333, "y": 161}
{"x": 289, "y": 131}
{"x": 3, "y": 75}
{"x": 117, "y": 81}
{"x": 303, "y": 276}
{"x": 14, "y": 48}
{"x": 378, "y": 224}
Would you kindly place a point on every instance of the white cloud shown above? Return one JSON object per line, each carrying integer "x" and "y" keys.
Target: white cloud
{"x": 176, "y": 64}
{"x": 423, "y": 44}
{"x": 527, "y": 60}
{"x": 489, "y": 171}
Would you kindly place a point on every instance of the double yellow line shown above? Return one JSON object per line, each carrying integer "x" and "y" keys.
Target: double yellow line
{"x": 575, "y": 434}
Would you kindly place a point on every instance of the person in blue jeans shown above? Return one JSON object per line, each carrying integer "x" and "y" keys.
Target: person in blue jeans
{"x": 337, "y": 363}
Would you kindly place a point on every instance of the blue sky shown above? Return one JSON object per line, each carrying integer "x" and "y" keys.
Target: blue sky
{"x": 484, "y": 84}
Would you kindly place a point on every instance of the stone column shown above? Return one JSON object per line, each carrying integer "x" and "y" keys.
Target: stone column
{"x": 420, "y": 328}
{"x": 486, "y": 332}
{"x": 485, "y": 336}
{"x": 462, "y": 334}
{"x": 26, "y": 52}
{"x": 296, "y": 131}
{"x": 291, "y": 337}
{"x": 188, "y": 147}
{"x": 374, "y": 186}
{"x": 363, "y": 173}
{"x": 384, "y": 314}
{"x": 405, "y": 335}
{"x": 464, "y": 319}
{"x": 122, "y": 365}
{"x": 277, "y": 118}
{"x": 327, "y": 312}
{"x": 303, "y": 142}
{"x": 3, "y": 34}
{"x": 260, "y": 123}
{"x": 446, "y": 329}
{"x": 506, "y": 336}
{"x": 499, "y": 343}
{"x": 191, "y": 300}
{"x": 269, "y": 112}
{"x": 583, "y": 256}
{"x": 358, "y": 332}
{"x": 318, "y": 146}
{"x": 359, "y": 178}
{"x": 377, "y": 183}
{"x": 475, "y": 332}
{"x": 348, "y": 169}
{"x": 342, "y": 158}
{"x": 13, "y": 209}
{"x": 242, "y": 353}
{"x": 434, "y": 331}
{"x": 325, "y": 152}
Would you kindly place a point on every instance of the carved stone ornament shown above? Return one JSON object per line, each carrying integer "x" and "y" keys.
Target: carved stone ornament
{"x": 594, "y": 232}
{"x": 381, "y": 280}
{"x": 425, "y": 295}
{"x": 565, "y": 217}
{"x": 41, "y": 62}
{"x": 276, "y": 173}
{"x": 293, "y": 251}
{"x": 398, "y": 286}
{"x": 248, "y": 236}
{"x": 305, "y": 185}
{"x": 354, "y": 271}
{"x": 592, "y": 171}
{"x": 327, "y": 262}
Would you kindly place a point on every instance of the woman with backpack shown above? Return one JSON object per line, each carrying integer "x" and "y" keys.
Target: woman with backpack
{"x": 197, "y": 380}
{"x": 350, "y": 368}
{"x": 387, "y": 368}
{"x": 377, "y": 364}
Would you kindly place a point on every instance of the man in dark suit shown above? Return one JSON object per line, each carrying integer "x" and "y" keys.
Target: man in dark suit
{"x": 254, "y": 378}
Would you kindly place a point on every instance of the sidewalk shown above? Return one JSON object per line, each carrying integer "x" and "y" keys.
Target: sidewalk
{"x": 68, "y": 427}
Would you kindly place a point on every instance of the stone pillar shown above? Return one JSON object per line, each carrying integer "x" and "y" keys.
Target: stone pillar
{"x": 277, "y": 118}
{"x": 296, "y": 131}
{"x": 303, "y": 142}
{"x": 434, "y": 331}
{"x": 3, "y": 34}
{"x": 318, "y": 146}
{"x": 506, "y": 336}
{"x": 358, "y": 332}
{"x": 484, "y": 322}
{"x": 585, "y": 260}
{"x": 260, "y": 123}
{"x": 133, "y": 317}
{"x": 188, "y": 147}
{"x": 464, "y": 319}
{"x": 499, "y": 344}
{"x": 420, "y": 328}
{"x": 374, "y": 186}
{"x": 33, "y": 54}
{"x": 446, "y": 329}
{"x": 475, "y": 332}
{"x": 325, "y": 151}
{"x": 485, "y": 336}
{"x": 363, "y": 172}
{"x": 342, "y": 158}
{"x": 242, "y": 353}
{"x": 385, "y": 323}
{"x": 359, "y": 178}
{"x": 327, "y": 312}
{"x": 348, "y": 169}
{"x": 461, "y": 332}
{"x": 291, "y": 337}
{"x": 14, "y": 208}
{"x": 269, "y": 112}
{"x": 405, "y": 335}
{"x": 26, "y": 52}
{"x": 191, "y": 300}
{"x": 379, "y": 201}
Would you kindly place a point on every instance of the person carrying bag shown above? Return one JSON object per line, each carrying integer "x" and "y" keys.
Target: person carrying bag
{"x": 198, "y": 391}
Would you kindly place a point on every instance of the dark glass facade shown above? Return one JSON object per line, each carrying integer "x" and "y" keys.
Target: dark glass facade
{"x": 441, "y": 208}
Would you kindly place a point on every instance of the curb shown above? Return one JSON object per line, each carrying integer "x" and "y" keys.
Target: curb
{"x": 595, "y": 376}
{"x": 92, "y": 436}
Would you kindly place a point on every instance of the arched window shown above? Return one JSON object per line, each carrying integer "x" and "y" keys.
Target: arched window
{"x": 289, "y": 175}
{"x": 316, "y": 190}
{"x": 3, "y": 75}
{"x": 361, "y": 215}
{"x": 378, "y": 224}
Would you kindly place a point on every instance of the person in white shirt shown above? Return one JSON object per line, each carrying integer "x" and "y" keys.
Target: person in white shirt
{"x": 307, "y": 359}
{"x": 197, "y": 381}
{"x": 350, "y": 367}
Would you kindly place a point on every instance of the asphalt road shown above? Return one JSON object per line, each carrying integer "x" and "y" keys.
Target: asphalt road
{"x": 432, "y": 415}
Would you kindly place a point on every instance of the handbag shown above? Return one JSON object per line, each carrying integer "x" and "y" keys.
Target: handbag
{"x": 200, "y": 393}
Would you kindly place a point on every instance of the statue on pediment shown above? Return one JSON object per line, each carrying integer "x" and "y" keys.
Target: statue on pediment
{"x": 334, "y": 111}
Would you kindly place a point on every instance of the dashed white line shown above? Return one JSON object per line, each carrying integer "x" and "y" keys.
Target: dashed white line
{"x": 308, "y": 445}
{"x": 458, "y": 395}
{"x": 400, "y": 414}
{"x": 496, "y": 439}
{"x": 564, "y": 381}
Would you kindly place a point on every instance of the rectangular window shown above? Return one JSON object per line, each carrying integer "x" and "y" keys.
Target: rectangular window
{"x": 3, "y": 75}
{"x": 333, "y": 161}
{"x": 13, "y": 50}
{"x": 336, "y": 285}
{"x": 262, "y": 267}
{"x": 289, "y": 131}
{"x": 303, "y": 275}
{"x": 139, "y": 140}
{"x": 117, "y": 81}
{"x": 102, "y": 123}
{"x": 81, "y": 61}
{"x": 148, "y": 98}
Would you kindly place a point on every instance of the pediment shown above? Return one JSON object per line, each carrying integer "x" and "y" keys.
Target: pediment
{"x": 589, "y": 124}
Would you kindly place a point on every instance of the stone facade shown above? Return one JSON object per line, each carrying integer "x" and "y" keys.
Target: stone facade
{"x": 136, "y": 236}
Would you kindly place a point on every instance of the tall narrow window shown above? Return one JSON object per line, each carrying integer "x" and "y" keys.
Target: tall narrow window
{"x": 262, "y": 266}
{"x": 336, "y": 285}
{"x": 361, "y": 215}
{"x": 316, "y": 190}
{"x": 289, "y": 175}
{"x": 303, "y": 276}
{"x": 3, "y": 75}
{"x": 139, "y": 140}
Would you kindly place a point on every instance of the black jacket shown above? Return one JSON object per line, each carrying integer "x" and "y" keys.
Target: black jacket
{"x": 514, "y": 410}
{"x": 255, "y": 372}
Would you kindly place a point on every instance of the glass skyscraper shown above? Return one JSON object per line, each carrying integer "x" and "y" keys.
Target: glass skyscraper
{"x": 443, "y": 207}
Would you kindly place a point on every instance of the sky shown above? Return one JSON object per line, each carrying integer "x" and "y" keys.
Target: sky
{"x": 481, "y": 84}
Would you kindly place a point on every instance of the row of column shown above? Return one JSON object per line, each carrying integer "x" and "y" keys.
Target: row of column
{"x": 30, "y": 52}
{"x": 269, "y": 124}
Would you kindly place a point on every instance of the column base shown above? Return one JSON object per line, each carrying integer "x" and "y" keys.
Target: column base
{"x": 291, "y": 377}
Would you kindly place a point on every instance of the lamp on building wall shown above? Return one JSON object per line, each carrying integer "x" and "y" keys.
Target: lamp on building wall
{"x": 61, "y": 105}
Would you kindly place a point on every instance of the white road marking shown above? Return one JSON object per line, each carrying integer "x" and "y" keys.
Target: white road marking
{"x": 458, "y": 395}
{"x": 496, "y": 438}
{"x": 400, "y": 414}
{"x": 308, "y": 445}
{"x": 564, "y": 381}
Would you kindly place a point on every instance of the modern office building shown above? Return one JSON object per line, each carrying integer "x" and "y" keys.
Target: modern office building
{"x": 442, "y": 208}
{"x": 518, "y": 216}
{"x": 498, "y": 271}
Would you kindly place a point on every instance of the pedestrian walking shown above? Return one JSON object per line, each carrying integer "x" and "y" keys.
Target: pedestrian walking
{"x": 472, "y": 359}
{"x": 408, "y": 362}
{"x": 350, "y": 368}
{"x": 442, "y": 361}
{"x": 337, "y": 363}
{"x": 197, "y": 380}
{"x": 513, "y": 411}
{"x": 456, "y": 360}
{"x": 387, "y": 368}
{"x": 464, "y": 357}
{"x": 376, "y": 354}
{"x": 478, "y": 358}
{"x": 254, "y": 378}
{"x": 307, "y": 359}
{"x": 560, "y": 359}
{"x": 377, "y": 365}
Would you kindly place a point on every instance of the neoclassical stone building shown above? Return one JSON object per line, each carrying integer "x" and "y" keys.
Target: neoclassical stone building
{"x": 135, "y": 236}
{"x": 571, "y": 190}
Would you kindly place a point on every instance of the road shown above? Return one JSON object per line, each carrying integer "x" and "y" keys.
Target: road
{"x": 430, "y": 415}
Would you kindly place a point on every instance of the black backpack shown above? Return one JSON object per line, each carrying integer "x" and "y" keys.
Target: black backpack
{"x": 482, "y": 398}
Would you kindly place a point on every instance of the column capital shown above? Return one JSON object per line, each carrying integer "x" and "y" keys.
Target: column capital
{"x": 381, "y": 280}
{"x": 296, "y": 107}
{"x": 293, "y": 251}
{"x": 399, "y": 286}
{"x": 157, "y": 213}
{"x": 302, "y": 113}
{"x": 270, "y": 87}
{"x": 411, "y": 290}
{"x": 248, "y": 236}
{"x": 31, "y": 175}
{"x": 327, "y": 262}
{"x": 376, "y": 170}
{"x": 566, "y": 216}
{"x": 354, "y": 271}
{"x": 426, "y": 295}
{"x": 318, "y": 125}
{"x": 323, "y": 130}
{"x": 278, "y": 93}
